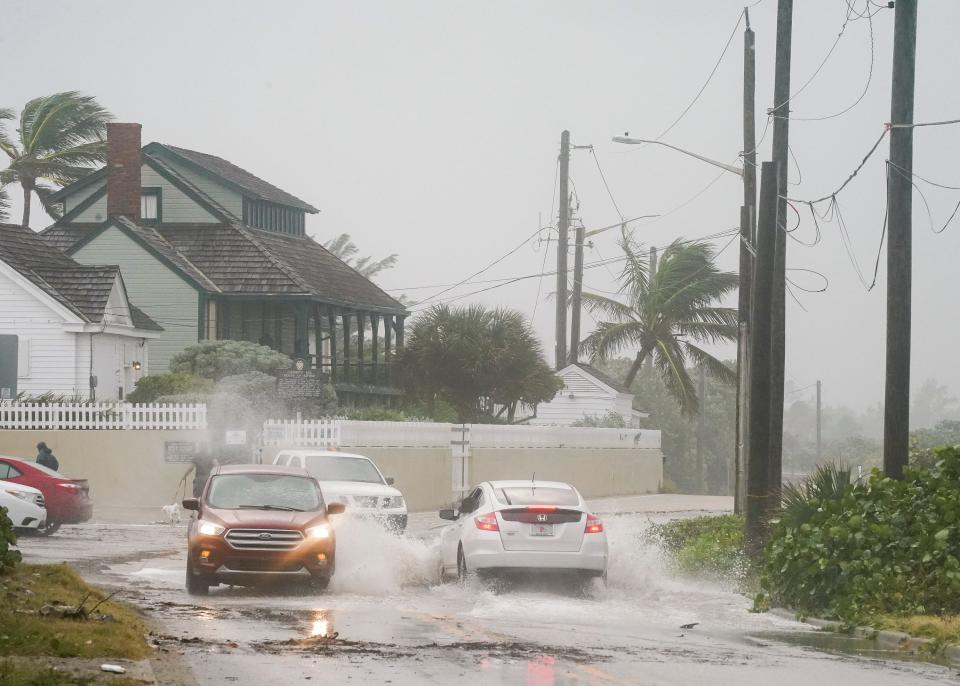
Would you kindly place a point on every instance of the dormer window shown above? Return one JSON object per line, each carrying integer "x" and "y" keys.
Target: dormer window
{"x": 150, "y": 205}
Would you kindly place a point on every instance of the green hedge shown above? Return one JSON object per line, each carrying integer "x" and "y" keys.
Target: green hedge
{"x": 710, "y": 547}
{"x": 880, "y": 547}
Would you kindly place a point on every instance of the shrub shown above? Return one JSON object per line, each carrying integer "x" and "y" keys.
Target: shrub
{"x": 150, "y": 388}
{"x": 8, "y": 556}
{"x": 611, "y": 420}
{"x": 884, "y": 546}
{"x": 704, "y": 546}
{"x": 217, "y": 359}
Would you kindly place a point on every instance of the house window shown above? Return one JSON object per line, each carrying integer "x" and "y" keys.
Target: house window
{"x": 150, "y": 205}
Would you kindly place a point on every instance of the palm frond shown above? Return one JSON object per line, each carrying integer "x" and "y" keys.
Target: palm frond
{"x": 671, "y": 364}
{"x": 600, "y": 304}
{"x": 715, "y": 367}
{"x": 44, "y": 192}
{"x": 609, "y": 338}
{"x": 800, "y": 501}
{"x": 6, "y": 143}
{"x": 707, "y": 331}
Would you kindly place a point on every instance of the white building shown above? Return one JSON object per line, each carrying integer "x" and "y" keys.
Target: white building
{"x": 76, "y": 332}
{"x": 587, "y": 392}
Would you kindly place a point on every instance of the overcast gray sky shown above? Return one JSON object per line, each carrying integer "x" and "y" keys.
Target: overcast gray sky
{"x": 431, "y": 129}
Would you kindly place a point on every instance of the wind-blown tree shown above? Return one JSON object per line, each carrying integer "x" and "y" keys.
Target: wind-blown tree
{"x": 59, "y": 139}
{"x": 667, "y": 316}
{"x": 343, "y": 247}
{"x": 484, "y": 363}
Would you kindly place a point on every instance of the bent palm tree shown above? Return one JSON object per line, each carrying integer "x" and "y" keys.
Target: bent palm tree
{"x": 667, "y": 316}
{"x": 343, "y": 247}
{"x": 60, "y": 137}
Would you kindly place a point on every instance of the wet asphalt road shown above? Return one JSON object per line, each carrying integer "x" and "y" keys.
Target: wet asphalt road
{"x": 385, "y": 618}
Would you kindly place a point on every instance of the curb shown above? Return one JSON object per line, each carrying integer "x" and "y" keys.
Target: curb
{"x": 885, "y": 638}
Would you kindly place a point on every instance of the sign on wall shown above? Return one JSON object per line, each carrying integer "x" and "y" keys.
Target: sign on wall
{"x": 179, "y": 451}
{"x": 235, "y": 437}
{"x": 301, "y": 381}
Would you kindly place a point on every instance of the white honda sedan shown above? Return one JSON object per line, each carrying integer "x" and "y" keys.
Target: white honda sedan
{"x": 523, "y": 525}
{"x": 24, "y": 504}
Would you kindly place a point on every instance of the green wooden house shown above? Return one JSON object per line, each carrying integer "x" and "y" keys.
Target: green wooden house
{"x": 210, "y": 251}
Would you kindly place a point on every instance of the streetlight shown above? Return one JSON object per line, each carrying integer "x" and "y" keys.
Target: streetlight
{"x": 641, "y": 141}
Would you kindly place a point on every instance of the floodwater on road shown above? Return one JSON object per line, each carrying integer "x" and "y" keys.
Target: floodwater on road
{"x": 386, "y": 619}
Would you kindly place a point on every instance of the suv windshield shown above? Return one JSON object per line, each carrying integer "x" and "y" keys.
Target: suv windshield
{"x": 340, "y": 468}
{"x": 265, "y": 491}
{"x": 527, "y": 495}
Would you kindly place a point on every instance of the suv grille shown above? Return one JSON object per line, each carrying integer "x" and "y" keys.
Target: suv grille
{"x": 264, "y": 539}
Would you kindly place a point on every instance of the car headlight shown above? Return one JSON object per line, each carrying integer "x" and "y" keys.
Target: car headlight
{"x": 209, "y": 528}
{"x": 23, "y": 495}
{"x": 319, "y": 532}
{"x": 394, "y": 501}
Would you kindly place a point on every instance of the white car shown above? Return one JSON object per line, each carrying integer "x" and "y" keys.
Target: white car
{"x": 523, "y": 525}
{"x": 25, "y": 505}
{"x": 353, "y": 480}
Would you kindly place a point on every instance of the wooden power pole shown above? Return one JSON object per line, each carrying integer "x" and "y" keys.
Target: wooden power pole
{"x": 563, "y": 228}
{"x": 896, "y": 408}
{"x": 758, "y": 469}
{"x": 781, "y": 153}
{"x": 747, "y": 240}
{"x": 577, "y": 292}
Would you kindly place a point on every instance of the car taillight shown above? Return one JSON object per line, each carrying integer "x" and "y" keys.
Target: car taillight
{"x": 594, "y": 525}
{"x": 486, "y": 522}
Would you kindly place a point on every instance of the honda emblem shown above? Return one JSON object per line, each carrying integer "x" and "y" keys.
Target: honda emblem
{"x": 541, "y": 517}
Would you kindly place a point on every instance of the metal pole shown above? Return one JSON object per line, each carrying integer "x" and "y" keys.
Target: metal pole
{"x": 577, "y": 293}
{"x": 896, "y": 408}
{"x": 563, "y": 228}
{"x": 758, "y": 474}
{"x": 781, "y": 152}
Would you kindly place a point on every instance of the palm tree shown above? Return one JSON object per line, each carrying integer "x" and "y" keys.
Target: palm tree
{"x": 343, "y": 247}
{"x": 59, "y": 139}
{"x": 667, "y": 316}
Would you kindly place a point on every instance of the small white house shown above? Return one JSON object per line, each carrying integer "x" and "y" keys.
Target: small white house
{"x": 76, "y": 331}
{"x": 587, "y": 392}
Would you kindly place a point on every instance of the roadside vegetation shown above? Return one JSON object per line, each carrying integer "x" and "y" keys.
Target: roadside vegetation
{"x": 876, "y": 551}
{"x": 708, "y": 547}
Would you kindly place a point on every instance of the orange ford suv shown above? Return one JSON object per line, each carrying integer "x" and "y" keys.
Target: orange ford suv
{"x": 257, "y": 522}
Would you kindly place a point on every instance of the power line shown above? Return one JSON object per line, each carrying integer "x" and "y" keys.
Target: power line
{"x": 852, "y": 175}
{"x": 605, "y": 184}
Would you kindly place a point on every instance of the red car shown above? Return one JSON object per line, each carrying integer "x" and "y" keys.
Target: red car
{"x": 255, "y": 523}
{"x": 67, "y": 500}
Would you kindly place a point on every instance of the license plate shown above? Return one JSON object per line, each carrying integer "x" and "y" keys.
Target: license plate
{"x": 541, "y": 529}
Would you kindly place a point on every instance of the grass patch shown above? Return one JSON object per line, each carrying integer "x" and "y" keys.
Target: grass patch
{"x": 706, "y": 547}
{"x": 25, "y": 631}
{"x": 14, "y": 673}
{"x": 944, "y": 630}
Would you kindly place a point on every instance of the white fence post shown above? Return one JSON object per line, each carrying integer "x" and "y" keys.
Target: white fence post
{"x": 105, "y": 416}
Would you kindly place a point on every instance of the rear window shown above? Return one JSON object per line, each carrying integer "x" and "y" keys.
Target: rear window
{"x": 340, "y": 468}
{"x": 536, "y": 495}
{"x": 279, "y": 491}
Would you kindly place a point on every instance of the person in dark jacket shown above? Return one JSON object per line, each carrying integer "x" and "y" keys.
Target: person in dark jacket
{"x": 45, "y": 457}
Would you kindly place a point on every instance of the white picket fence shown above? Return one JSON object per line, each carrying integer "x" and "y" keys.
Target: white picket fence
{"x": 347, "y": 433}
{"x": 59, "y": 416}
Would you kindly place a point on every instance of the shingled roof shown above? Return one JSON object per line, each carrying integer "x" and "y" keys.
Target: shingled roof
{"x": 227, "y": 171}
{"x": 82, "y": 289}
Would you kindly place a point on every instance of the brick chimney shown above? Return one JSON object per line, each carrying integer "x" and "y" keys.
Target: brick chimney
{"x": 123, "y": 170}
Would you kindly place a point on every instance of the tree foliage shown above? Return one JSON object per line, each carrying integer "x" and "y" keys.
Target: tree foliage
{"x": 667, "y": 316}
{"x": 483, "y": 362}
{"x": 218, "y": 359}
{"x": 60, "y": 137}
{"x": 880, "y": 546}
{"x": 343, "y": 247}
{"x": 9, "y": 556}
{"x": 153, "y": 386}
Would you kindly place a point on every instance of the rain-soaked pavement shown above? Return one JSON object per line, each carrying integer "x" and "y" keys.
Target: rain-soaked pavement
{"x": 386, "y": 620}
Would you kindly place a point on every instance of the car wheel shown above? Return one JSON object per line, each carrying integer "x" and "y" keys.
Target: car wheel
{"x": 320, "y": 583}
{"x": 49, "y": 529}
{"x": 197, "y": 584}
{"x": 462, "y": 571}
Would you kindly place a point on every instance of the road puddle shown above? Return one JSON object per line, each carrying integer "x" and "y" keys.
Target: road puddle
{"x": 842, "y": 644}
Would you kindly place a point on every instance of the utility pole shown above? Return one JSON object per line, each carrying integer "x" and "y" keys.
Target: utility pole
{"x": 819, "y": 425}
{"x": 651, "y": 276}
{"x": 781, "y": 152}
{"x": 560, "y": 353}
{"x": 747, "y": 241}
{"x": 577, "y": 292}
{"x": 701, "y": 425}
{"x": 758, "y": 469}
{"x": 896, "y": 408}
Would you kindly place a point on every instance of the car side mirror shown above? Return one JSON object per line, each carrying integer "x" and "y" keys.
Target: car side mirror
{"x": 336, "y": 508}
{"x": 449, "y": 514}
{"x": 191, "y": 504}
{"x": 390, "y": 481}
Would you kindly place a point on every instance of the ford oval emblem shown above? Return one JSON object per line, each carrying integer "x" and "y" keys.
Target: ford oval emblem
{"x": 265, "y": 536}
